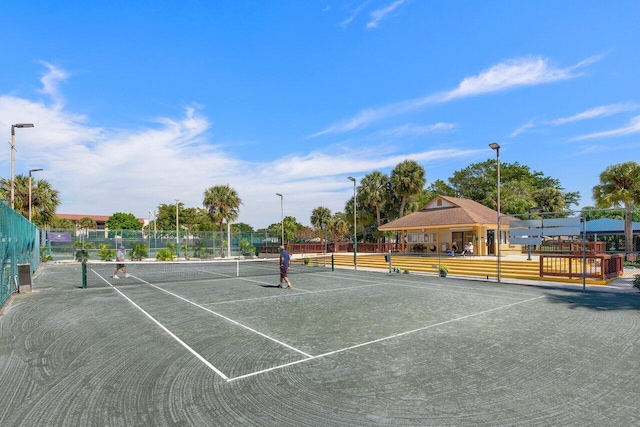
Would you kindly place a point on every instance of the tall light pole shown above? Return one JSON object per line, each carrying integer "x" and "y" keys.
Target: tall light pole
{"x": 177, "y": 222}
{"x": 31, "y": 170}
{"x": 149, "y": 232}
{"x": 13, "y": 156}
{"x": 355, "y": 229}
{"x": 496, "y": 146}
{"x": 281, "y": 218}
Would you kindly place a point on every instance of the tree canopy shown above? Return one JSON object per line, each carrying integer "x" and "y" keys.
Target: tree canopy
{"x": 44, "y": 198}
{"x": 123, "y": 221}
{"x": 521, "y": 188}
{"x": 620, "y": 186}
{"x": 223, "y": 204}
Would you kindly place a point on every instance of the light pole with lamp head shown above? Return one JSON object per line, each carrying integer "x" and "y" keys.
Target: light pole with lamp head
{"x": 534, "y": 208}
{"x": 496, "y": 146}
{"x": 281, "y": 218}
{"x": 13, "y": 157}
{"x": 355, "y": 229}
{"x": 30, "y": 171}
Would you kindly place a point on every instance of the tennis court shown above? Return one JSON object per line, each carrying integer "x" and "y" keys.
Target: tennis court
{"x": 342, "y": 348}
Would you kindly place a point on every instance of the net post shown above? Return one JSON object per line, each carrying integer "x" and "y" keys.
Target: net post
{"x": 84, "y": 274}
{"x": 332, "y": 262}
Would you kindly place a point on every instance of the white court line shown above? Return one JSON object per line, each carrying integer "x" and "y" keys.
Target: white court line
{"x": 225, "y": 318}
{"x": 171, "y": 334}
{"x": 457, "y": 319}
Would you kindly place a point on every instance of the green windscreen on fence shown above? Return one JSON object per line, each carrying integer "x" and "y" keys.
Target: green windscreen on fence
{"x": 19, "y": 244}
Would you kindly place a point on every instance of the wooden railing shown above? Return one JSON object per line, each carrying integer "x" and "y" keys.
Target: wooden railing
{"x": 309, "y": 248}
{"x": 574, "y": 247}
{"x": 595, "y": 266}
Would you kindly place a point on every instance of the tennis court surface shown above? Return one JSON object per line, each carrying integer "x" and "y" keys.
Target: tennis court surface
{"x": 342, "y": 348}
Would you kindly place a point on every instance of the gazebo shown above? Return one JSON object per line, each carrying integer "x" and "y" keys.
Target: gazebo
{"x": 445, "y": 220}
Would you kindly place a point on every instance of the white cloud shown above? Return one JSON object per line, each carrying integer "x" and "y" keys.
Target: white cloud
{"x": 353, "y": 14}
{"x": 633, "y": 127}
{"x": 510, "y": 74}
{"x": 602, "y": 111}
{"x": 528, "y": 71}
{"x": 379, "y": 14}
{"x": 414, "y": 131}
{"x": 525, "y": 127}
{"x": 607, "y": 148}
{"x": 100, "y": 170}
{"x": 51, "y": 82}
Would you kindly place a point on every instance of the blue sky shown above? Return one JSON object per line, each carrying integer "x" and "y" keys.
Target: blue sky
{"x": 139, "y": 103}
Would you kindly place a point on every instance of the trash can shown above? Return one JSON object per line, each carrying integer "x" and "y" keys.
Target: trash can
{"x": 24, "y": 278}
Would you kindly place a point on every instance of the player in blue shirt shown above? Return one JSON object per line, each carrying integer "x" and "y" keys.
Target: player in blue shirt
{"x": 284, "y": 268}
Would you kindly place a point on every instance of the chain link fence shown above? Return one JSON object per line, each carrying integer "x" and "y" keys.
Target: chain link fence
{"x": 19, "y": 246}
{"x": 95, "y": 244}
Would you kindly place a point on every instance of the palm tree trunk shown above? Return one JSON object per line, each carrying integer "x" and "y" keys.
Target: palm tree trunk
{"x": 628, "y": 228}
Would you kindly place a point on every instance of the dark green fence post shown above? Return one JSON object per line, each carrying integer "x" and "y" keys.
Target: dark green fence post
{"x": 84, "y": 274}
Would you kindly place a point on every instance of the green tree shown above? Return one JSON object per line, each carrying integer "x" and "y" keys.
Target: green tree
{"x": 223, "y": 204}
{"x": 374, "y": 192}
{"x": 166, "y": 216}
{"x": 87, "y": 223}
{"x": 241, "y": 227}
{"x": 44, "y": 198}
{"x": 437, "y": 187}
{"x": 320, "y": 217}
{"x": 620, "y": 185}
{"x": 521, "y": 188}
{"x": 123, "y": 221}
{"x": 58, "y": 223}
{"x": 338, "y": 228}
{"x": 291, "y": 227}
{"x": 591, "y": 212}
{"x": 407, "y": 180}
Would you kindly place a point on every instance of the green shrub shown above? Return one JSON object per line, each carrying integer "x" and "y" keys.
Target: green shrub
{"x": 246, "y": 247}
{"x": 45, "y": 254}
{"x": 164, "y": 255}
{"x": 139, "y": 251}
{"x": 105, "y": 252}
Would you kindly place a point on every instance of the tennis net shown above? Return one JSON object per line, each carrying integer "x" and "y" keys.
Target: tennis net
{"x": 101, "y": 272}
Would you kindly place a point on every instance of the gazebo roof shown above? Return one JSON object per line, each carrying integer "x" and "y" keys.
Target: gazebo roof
{"x": 446, "y": 211}
{"x": 609, "y": 226}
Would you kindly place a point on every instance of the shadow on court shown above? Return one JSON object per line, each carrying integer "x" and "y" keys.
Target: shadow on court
{"x": 595, "y": 300}
{"x": 343, "y": 348}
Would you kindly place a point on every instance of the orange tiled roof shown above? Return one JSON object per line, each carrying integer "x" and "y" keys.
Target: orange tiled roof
{"x": 78, "y": 217}
{"x": 96, "y": 218}
{"x": 454, "y": 212}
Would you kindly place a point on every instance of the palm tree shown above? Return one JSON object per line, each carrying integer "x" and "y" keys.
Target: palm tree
{"x": 407, "y": 179}
{"x": 320, "y": 217}
{"x": 44, "y": 199}
{"x": 374, "y": 191}
{"x": 223, "y": 204}
{"x": 620, "y": 184}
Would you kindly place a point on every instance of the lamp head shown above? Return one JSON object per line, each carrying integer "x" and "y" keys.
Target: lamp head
{"x": 351, "y": 179}
{"x": 494, "y": 146}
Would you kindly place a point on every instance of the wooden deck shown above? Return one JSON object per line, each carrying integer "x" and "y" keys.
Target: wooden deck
{"x": 481, "y": 267}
